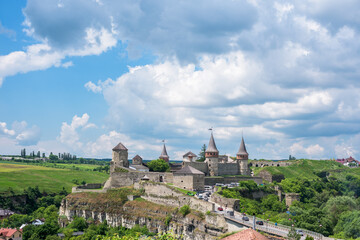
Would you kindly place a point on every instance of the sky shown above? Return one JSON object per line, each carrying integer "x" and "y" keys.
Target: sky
{"x": 81, "y": 76}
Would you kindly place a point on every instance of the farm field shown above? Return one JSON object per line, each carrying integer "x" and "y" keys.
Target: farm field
{"x": 305, "y": 168}
{"x": 18, "y": 177}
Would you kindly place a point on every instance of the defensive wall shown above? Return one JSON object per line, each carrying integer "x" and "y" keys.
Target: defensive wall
{"x": 228, "y": 169}
{"x": 227, "y": 180}
{"x": 266, "y": 175}
{"x": 122, "y": 179}
{"x": 263, "y": 163}
{"x": 168, "y": 195}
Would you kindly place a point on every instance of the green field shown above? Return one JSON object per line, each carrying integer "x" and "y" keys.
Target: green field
{"x": 304, "y": 168}
{"x": 18, "y": 177}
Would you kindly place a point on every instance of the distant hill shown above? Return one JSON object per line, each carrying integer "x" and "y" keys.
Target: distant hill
{"x": 18, "y": 177}
{"x": 305, "y": 168}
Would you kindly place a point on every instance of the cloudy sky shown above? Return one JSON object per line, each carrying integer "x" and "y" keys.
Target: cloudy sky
{"x": 80, "y": 76}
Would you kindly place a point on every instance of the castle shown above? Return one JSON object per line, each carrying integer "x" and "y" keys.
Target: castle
{"x": 189, "y": 174}
{"x": 216, "y": 165}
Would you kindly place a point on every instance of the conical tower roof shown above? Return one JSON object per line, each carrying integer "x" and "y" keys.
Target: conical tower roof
{"x": 242, "y": 149}
{"x": 119, "y": 147}
{"x": 164, "y": 152}
{"x": 212, "y": 146}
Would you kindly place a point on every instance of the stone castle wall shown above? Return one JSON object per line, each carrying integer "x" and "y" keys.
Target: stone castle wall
{"x": 259, "y": 163}
{"x": 166, "y": 195}
{"x": 266, "y": 175}
{"x": 122, "y": 179}
{"x": 226, "y": 202}
{"x": 228, "y": 169}
{"x": 189, "y": 182}
{"x": 201, "y": 166}
{"x": 227, "y": 180}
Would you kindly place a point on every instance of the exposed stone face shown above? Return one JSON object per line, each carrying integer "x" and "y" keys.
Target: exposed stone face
{"x": 193, "y": 226}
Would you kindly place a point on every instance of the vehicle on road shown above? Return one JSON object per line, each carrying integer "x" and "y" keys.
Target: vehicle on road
{"x": 259, "y": 222}
{"x": 300, "y": 232}
{"x": 190, "y": 193}
{"x": 245, "y": 218}
{"x": 220, "y": 209}
{"x": 230, "y": 213}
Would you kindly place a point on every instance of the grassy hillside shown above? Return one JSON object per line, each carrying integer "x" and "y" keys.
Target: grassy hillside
{"x": 304, "y": 168}
{"x": 19, "y": 176}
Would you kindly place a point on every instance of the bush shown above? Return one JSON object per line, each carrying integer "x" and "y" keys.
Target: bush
{"x": 185, "y": 210}
{"x": 168, "y": 220}
{"x": 158, "y": 165}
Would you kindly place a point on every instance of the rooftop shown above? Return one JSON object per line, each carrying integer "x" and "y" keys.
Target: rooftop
{"x": 247, "y": 234}
{"x": 188, "y": 170}
{"x": 119, "y": 147}
{"x": 212, "y": 146}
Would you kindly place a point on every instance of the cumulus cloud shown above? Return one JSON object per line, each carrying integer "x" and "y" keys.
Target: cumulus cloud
{"x": 69, "y": 132}
{"x": 20, "y": 133}
{"x": 310, "y": 151}
{"x": 5, "y": 130}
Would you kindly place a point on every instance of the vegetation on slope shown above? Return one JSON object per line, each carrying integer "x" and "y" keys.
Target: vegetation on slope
{"x": 303, "y": 168}
{"x": 15, "y": 178}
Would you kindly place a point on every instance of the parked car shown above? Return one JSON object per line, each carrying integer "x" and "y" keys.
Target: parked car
{"x": 245, "y": 218}
{"x": 220, "y": 209}
{"x": 190, "y": 193}
{"x": 300, "y": 232}
{"x": 259, "y": 222}
{"x": 230, "y": 213}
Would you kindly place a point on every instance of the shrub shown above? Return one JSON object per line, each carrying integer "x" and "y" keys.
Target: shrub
{"x": 168, "y": 219}
{"x": 185, "y": 210}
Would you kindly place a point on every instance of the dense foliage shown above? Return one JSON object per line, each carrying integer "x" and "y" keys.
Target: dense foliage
{"x": 329, "y": 204}
{"x": 158, "y": 165}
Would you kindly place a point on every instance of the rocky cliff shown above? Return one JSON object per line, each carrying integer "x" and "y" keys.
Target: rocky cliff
{"x": 115, "y": 208}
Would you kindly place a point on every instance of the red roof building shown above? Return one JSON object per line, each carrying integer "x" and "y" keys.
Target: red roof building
{"x": 9, "y": 233}
{"x": 248, "y": 234}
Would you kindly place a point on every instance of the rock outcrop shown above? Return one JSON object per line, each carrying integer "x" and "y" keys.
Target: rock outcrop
{"x": 115, "y": 208}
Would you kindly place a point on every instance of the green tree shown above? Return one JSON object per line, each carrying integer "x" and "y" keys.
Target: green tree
{"x": 337, "y": 205}
{"x": 292, "y": 235}
{"x": 202, "y": 154}
{"x": 158, "y": 165}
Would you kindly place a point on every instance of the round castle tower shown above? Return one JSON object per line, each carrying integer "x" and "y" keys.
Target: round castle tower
{"x": 242, "y": 157}
{"x": 212, "y": 157}
{"x": 119, "y": 157}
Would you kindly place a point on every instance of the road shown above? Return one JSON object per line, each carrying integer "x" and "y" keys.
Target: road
{"x": 269, "y": 227}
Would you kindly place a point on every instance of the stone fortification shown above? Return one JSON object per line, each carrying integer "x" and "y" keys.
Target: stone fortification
{"x": 201, "y": 166}
{"x": 260, "y": 163}
{"x": 119, "y": 211}
{"x": 291, "y": 197}
{"x": 267, "y": 176}
{"x": 170, "y": 196}
{"x": 122, "y": 179}
{"x": 226, "y": 202}
{"x": 229, "y": 169}
{"x": 227, "y": 180}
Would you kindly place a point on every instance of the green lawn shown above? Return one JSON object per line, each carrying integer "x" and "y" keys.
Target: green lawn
{"x": 19, "y": 176}
{"x": 303, "y": 168}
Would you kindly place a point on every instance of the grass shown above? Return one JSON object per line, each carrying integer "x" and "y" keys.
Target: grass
{"x": 83, "y": 167}
{"x": 303, "y": 168}
{"x": 180, "y": 189}
{"x": 18, "y": 177}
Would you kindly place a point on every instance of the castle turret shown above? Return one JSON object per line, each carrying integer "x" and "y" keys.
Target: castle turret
{"x": 242, "y": 157}
{"x": 164, "y": 154}
{"x": 119, "y": 157}
{"x": 212, "y": 157}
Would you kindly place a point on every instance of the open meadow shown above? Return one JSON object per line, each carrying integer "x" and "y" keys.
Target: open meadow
{"x": 18, "y": 177}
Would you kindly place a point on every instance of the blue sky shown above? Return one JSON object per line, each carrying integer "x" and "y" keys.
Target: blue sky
{"x": 81, "y": 76}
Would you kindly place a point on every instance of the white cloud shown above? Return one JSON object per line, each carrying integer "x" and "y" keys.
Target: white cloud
{"x": 311, "y": 151}
{"x": 5, "y": 130}
{"x": 69, "y": 134}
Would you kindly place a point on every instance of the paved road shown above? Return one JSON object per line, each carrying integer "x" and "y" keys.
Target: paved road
{"x": 268, "y": 227}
